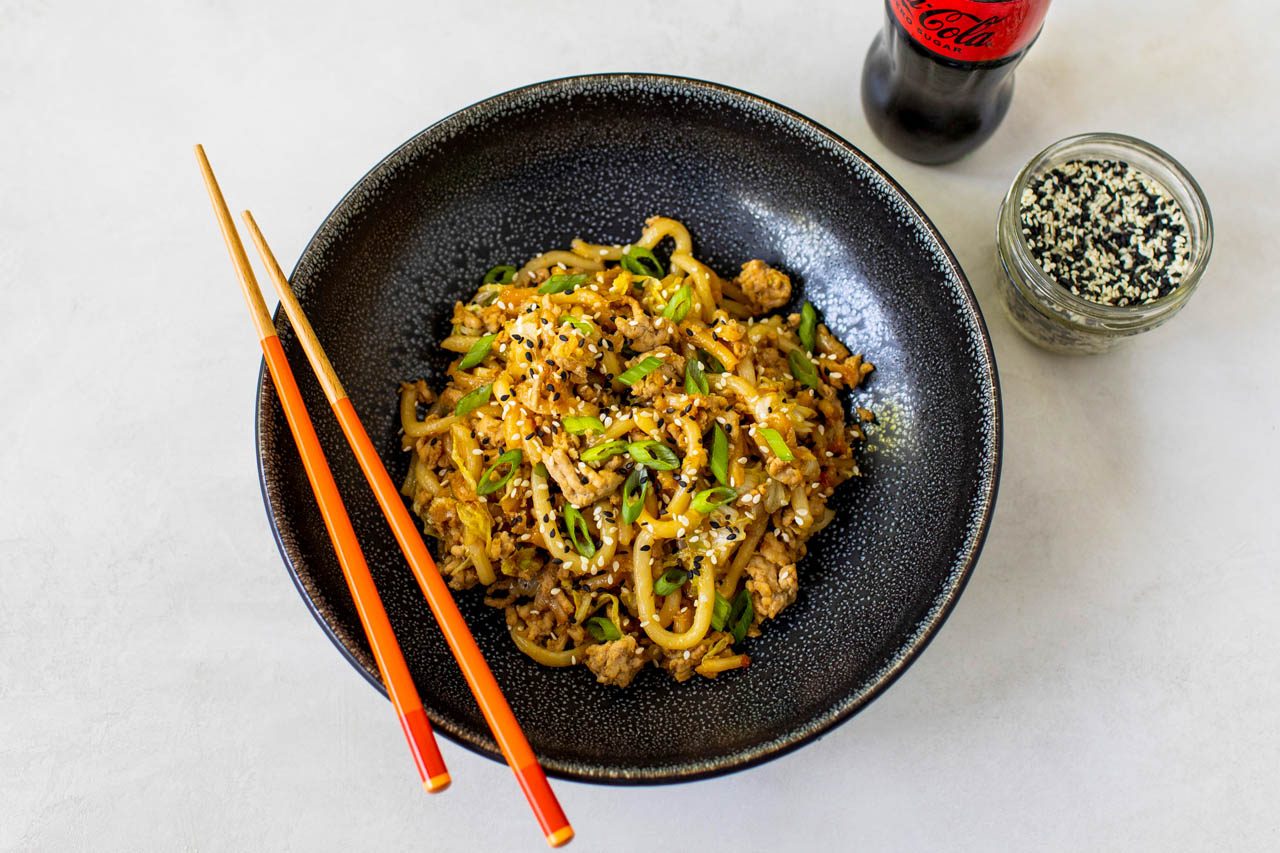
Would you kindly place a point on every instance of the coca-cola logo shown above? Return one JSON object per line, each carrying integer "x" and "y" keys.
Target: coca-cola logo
{"x": 971, "y": 30}
{"x": 959, "y": 27}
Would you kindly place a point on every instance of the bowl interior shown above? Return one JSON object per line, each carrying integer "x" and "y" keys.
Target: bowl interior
{"x": 593, "y": 157}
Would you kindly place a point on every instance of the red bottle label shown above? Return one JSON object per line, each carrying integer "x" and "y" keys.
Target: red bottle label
{"x": 971, "y": 31}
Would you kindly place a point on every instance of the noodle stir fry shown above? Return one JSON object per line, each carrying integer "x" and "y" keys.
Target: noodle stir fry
{"x": 630, "y": 458}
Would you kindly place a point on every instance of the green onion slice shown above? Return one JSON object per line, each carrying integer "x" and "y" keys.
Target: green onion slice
{"x": 720, "y": 612}
{"x": 562, "y": 283}
{"x": 654, "y": 454}
{"x": 695, "y": 381}
{"x": 582, "y": 325}
{"x": 678, "y": 308}
{"x": 777, "y": 445}
{"x": 638, "y": 260}
{"x": 809, "y": 326}
{"x": 709, "y": 500}
{"x": 501, "y": 274}
{"x": 490, "y": 298}
{"x": 741, "y": 615}
{"x": 578, "y": 528}
{"x": 541, "y": 471}
{"x": 489, "y": 483}
{"x": 580, "y": 424}
{"x": 478, "y": 351}
{"x": 602, "y": 629}
{"x": 634, "y": 491}
{"x": 802, "y": 368}
{"x": 640, "y": 370}
{"x": 671, "y": 580}
{"x": 713, "y": 364}
{"x": 473, "y": 400}
{"x": 603, "y": 451}
{"x": 720, "y": 454}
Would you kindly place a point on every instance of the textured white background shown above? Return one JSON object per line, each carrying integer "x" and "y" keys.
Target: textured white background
{"x": 1109, "y": 680}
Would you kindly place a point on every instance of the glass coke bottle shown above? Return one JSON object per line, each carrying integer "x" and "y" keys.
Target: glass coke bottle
{"x": 938, "y": 78}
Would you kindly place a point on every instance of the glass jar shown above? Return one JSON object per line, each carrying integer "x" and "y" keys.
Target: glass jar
{"x": 1051, "y": 315}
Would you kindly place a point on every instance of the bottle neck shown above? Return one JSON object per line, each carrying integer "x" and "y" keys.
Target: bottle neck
{"x": 970, "y": 31}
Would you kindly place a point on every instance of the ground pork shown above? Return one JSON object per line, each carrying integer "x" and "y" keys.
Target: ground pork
{"x": 581, "y": 485}
{"x": 773, "y": 584}
{"x": 616, "y": 662}
{"x": 682, "y": 662}
{"x": 764, "y": 286}
{"x": 669, "y": 377}
{"x": 644, "y": 332}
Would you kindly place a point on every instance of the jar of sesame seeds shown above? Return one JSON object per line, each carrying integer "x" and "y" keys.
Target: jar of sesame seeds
{"x": 1100, "y": 237}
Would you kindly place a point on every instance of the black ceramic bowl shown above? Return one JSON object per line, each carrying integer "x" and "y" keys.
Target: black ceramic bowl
{"x": 593, "y": 157}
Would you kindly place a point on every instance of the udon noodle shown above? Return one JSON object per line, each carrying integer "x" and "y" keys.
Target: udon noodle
{"x": 629, "y": 455}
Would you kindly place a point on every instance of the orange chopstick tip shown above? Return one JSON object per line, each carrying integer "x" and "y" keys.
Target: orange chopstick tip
{"x": 436, "y": 784}
{"x": 561, "y": 836}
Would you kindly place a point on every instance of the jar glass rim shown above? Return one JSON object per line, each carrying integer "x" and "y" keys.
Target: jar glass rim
{"x": 1010, "y": 238}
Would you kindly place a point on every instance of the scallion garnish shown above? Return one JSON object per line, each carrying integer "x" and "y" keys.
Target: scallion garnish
{"x": 562, "y": 283}
{"x": 741, "y": 615}
{"x": 709, "y": 500}
{"x": 603, "y": 451}
{"x": 579, "y": 533}
{"x": 473, "y": 400}
{"x": 720, "y": 454}
{"x": 720, "y": 612}
{"x": 776, "y": 444}
{"x": 640, "y": 370}
{"x": 541, "y": 471}
{"x": 654, "y": 454}
{"x": 809, "y": 326}
{"x": 603, "y": 630}
{"x": 713, "y": 364}
{"x": 678, "y": 307}
{"x": 582, "y": 325}
{"x": 695, "y": 381}
{"x": 802, "y": 368}
{"x": 501, "y": 274}
{"x": 580, "y": 424}
{"x": 478, "y": 351}
{"x": 488, "y": 483}
{"x": 671, "y": 580}
{"x": 634, "y": 491}
{"x": 638, "y": 260}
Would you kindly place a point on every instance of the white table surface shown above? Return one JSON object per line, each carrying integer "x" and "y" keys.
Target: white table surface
{"x": 1108, "y": 681}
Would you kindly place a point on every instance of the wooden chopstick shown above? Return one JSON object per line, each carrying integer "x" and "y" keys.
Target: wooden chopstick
{"x": 382, "y": 640}
{"x": 497, "y": 713}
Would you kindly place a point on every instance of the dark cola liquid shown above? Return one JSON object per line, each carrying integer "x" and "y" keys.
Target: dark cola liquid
{"x": 926, "y": 107}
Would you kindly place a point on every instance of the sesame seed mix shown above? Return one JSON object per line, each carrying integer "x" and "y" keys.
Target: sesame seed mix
{"x": 1106, "y": 231}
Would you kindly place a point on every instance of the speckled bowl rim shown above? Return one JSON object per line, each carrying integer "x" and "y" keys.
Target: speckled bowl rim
{"x": 967, "y": 555}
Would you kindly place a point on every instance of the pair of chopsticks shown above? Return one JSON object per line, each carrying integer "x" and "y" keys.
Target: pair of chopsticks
{"x": 391, "y": 664}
